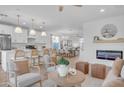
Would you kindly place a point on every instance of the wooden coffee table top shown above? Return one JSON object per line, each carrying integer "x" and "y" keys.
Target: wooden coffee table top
{"x": 69, "y": 80}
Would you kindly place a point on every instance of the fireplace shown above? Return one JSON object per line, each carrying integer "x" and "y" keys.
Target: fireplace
{"x": 108, "y": 54}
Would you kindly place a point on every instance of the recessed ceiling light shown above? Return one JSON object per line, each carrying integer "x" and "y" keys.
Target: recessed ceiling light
{"x": 102, "y": 10}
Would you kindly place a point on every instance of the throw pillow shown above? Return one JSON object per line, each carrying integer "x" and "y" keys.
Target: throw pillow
{"x": 117, "y": 66}
{"x": 22, "y": 67}
{"x": 122, "y": 72}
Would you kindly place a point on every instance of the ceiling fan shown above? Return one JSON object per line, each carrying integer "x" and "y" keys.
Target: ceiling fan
{"x": 61, "y": 7}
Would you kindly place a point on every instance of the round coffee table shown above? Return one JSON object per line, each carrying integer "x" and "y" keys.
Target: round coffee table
{"x": 69, "y": 80}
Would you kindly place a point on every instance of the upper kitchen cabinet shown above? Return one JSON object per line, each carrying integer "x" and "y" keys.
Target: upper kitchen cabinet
{"x": 19, "y": 37}
{"x": 44, "y": 39}
{"x": 5, "y": 29}
{"x": 40, "y": 39}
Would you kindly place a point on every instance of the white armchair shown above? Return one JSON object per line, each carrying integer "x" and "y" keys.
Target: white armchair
{"x": 19, "y": 74}
{"x": 48, "y": 64}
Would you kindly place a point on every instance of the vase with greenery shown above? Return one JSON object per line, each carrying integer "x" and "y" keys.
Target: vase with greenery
{"x": 62, "y": 67}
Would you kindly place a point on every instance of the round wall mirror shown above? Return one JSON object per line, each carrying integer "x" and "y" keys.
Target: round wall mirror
{"x": 109, "y": 31}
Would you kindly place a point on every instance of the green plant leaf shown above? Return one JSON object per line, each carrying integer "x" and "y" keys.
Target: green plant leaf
{"x": 63, "y": 61}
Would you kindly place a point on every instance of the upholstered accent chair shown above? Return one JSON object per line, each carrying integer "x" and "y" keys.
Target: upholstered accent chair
{"x": 98, "y": 71}
{"x": 82, "y": 66}
{"x": 19, "y": 74}
{"x": 49, "y": 66}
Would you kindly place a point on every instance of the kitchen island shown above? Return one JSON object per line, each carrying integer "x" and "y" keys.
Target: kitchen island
{"x": 9, "y": 55}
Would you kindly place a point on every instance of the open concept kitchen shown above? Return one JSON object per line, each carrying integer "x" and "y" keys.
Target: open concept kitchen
{"x": 61, "y": 45}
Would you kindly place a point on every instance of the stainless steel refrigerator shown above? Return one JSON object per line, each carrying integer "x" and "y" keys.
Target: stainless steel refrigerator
{"x": 5, "y": 42}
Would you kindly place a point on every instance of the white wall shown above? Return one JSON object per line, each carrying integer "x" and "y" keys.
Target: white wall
{"x": 92, "y": 29}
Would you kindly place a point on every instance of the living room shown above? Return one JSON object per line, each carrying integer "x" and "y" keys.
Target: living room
{"x": 61, "y": 45}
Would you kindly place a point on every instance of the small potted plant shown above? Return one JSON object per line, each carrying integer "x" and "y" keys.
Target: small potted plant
{"x": 62, "y": 67}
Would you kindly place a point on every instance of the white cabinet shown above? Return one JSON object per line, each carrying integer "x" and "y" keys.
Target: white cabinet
{"x": 5, "y": 29}
{"x": 19, "y": 37}
{"x": 44, "y": 39}
{"x": 40, "y": 39}
{"x": 15, "y": 37}
{"x": 23, "y": 37}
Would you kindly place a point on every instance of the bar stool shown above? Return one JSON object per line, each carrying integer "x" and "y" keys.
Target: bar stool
{"x": 35, "y": 57}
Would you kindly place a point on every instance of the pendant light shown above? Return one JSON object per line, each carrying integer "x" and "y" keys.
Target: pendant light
{"x": 43, "y": 33}
{"x": 18, "y": 29}
{"x": 32, "y": 31}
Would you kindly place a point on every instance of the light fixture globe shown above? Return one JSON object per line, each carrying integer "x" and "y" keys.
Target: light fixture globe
{"x": 32, "y": 32}
{"x": 18, "y": 29}
{"x": 43, "y": 34}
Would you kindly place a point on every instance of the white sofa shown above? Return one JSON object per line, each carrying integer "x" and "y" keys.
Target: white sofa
{"x": 115, "y": 77}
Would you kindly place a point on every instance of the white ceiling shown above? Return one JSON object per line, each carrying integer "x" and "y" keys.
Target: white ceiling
{"x": 68, "y": 21}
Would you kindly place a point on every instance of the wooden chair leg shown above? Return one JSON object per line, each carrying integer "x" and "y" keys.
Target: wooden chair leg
{"x": 40, "y": 83}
